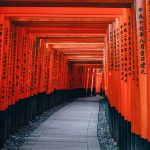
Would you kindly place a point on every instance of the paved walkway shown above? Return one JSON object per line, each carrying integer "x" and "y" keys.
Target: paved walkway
{"x": 74, "y": 127}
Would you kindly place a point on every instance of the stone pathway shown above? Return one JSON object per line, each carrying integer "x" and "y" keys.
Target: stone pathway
{"x": 74, "y": 127}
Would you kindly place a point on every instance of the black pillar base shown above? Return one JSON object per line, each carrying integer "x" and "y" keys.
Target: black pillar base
{"x": 120, "y": 130}
{"x": 88, "y": 92}
{"x": 3, "y": 127}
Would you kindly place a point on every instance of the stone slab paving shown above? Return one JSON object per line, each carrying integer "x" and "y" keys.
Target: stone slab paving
{"x": 74, "y": 127}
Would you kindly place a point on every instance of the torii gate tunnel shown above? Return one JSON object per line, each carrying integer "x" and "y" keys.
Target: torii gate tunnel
{"x": 53, "y": 51}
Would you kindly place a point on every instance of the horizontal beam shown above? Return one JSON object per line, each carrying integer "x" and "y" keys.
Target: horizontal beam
{"x": 25, "y": 15}
{"x": 69, "y": 35}
{"x": 105, "y": 18}
{"x": 73, "y": 39}
{"x": 94, "y": 64}
{"x": 47, "y": 11}
{"x": 82, "y": 50}
{"x": 77, "y": 46}
{"x": 90, "y": 64}
{"x": 68, "y": 3}
{"x": 63, "y": 24}
{"x": 67, "y": 30}
{"x": 85, "y": 56}
{"x": 83, "y": 53}
{"x": 86, "y": 60}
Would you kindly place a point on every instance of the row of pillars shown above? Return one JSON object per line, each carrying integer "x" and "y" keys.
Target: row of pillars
{"x": 120, "y": 130}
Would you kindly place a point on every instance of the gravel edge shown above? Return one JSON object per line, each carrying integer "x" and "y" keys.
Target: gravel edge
{"x": 105, "y": 140}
